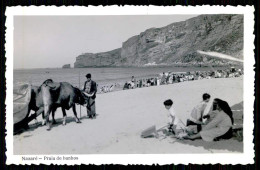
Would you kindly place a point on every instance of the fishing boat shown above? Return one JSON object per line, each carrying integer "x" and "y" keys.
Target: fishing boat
{"x": 21, "y": 100}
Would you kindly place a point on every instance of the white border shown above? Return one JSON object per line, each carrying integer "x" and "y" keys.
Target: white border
{"x": 247, "y": 157}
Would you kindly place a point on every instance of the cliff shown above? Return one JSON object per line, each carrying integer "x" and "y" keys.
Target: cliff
{"x": 66, "y": 66}
{"x": 176, "y": 44}
{"x": 109, "y": 58}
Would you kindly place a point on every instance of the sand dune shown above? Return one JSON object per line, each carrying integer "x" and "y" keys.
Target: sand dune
{"x": 122, "y": 115}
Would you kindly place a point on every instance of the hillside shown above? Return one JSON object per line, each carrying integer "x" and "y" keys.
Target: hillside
{"x": 176, "y": 44}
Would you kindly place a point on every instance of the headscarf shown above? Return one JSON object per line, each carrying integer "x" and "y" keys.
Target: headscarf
{"x": 225, "y": 107}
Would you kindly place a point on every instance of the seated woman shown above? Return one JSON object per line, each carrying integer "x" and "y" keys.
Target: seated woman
{"x": 219, "y": 127}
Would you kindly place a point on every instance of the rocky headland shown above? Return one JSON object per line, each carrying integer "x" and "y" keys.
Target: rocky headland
{"x": 66, "y": 66}
{"x": 176, "y": 44}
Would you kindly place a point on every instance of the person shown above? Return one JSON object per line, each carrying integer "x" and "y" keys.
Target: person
{"x": 126, "y": 86}
{"x": 178, "y": 78}
{"x": 158, "y": 81}
{"x": 163, "y": 79}
{"x": 167, "y": 80}
{"x": 148, "y": 82}
{"x": 171, "y": 79}
{"x": 155, "y": 81}
{"x": 131, "y": 85}
{"x": 111, "y": 88}
{"x": 133, "y": 80}
{"x": 140, "y": 83}
{"x": 197, "y": 113}
{"x": 220, "y": 127}
{"x": 90, "y": 89}
{"x": 173, "y": 121}
{"x": 152, "y": 81}
{"x": 144, "y": 83}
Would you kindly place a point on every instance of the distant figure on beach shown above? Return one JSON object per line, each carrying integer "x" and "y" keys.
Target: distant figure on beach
{"x": 90, "y": 87}
{"x": 140, "y": 83}
{"x": 173, "y": 78}
{"x": 144, "y": 83}
{"x": 220, "y": 127}
{"x": 155, "y": 81}
{"x": 106, "y": 89}
{"x": 131, "y": 85}
{"x": 111, "y": 88}
{"x": 163, "y": 79}
{"x": 197, "y": 113}
{"x": 167, "y": 79}
{"x": 137, "y": 83}
{"x": 126, "y": 86}
{"x": 174, "y": 122}
{"x": 158, "y": 81}
{"x": 148, "y": 82}
{"x": 178, "y": 79}
{"x": 133, "y": 80}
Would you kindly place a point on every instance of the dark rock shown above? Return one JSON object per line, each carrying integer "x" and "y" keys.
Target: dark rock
{"x": 66, "y": 66}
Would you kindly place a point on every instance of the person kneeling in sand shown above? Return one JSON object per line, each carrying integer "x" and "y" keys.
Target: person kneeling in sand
{"x": 174, "y": 122}
{"x": 220, "y": 127}
{"x": 196, "y": 115}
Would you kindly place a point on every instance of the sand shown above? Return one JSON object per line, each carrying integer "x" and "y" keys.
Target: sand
{"x": 122, "y": 115}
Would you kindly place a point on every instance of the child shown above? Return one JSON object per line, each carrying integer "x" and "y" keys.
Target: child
{"x": 197, "y": 113}
{"x": 174, "y": 121}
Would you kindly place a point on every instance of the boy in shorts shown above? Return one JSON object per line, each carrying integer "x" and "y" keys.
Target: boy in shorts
{"x": 174, "y": 122}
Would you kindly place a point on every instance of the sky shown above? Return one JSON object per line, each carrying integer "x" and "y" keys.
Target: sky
{"x": 52, "y": 41}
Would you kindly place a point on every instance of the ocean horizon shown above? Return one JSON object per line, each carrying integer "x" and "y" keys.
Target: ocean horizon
{"x": 102, "y": 75}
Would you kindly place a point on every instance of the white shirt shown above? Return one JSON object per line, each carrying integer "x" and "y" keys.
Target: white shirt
{"x": 197, "y": 111}
{"x": 173, "y": 119}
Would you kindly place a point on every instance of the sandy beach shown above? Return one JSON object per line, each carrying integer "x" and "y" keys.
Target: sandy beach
{"x": 121, "y": 117}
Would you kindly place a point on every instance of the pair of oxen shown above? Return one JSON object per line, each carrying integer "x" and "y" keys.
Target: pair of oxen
{"x": 52, "y": 95}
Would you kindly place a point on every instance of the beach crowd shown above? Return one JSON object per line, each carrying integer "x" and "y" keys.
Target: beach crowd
{"x": 176, "y": 77}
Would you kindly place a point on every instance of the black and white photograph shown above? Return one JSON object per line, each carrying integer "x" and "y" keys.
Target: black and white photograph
{"x": 163, "y": 84}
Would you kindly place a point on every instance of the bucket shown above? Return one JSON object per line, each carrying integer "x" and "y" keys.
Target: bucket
{"x": 152, "y": 131}
{"x": 149, "y": 132}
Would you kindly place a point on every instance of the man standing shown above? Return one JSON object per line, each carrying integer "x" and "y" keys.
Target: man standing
{"x": 90, "y": 88}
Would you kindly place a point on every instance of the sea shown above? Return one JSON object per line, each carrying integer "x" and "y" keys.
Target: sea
{"x": 103, "y": 76}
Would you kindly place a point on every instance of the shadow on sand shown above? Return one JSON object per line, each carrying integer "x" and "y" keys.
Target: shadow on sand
{"x": 59, "y": 121}
{"x": 230, "y": 144}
